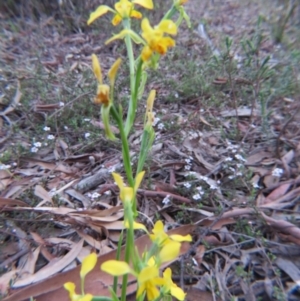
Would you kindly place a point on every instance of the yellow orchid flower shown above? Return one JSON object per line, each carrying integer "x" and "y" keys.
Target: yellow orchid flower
{"x": 88, "y": 264}
{"x": 127, "y": 193}
{"x": 124, "y": 9}
{"x": 103, "y": 90}
{"x": 148, "y": 280}
{"x": 161, "y": 238}
{"x": 70, "y": 287}
{"x": 170, "y": 287}
{"x": 155, "y": 39}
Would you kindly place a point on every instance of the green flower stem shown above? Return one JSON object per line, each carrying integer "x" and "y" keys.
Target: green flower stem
{"x": 132, "y": 104}
{"x": 125, "y": 147}
{"x": 170, "y": 13}
{"x": 102, "y": 299}
{"x": 115, "y": 284}
{"x": 129, "y": 248}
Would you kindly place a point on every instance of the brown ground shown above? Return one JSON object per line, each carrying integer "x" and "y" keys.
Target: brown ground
{"x": 234, "y": 119}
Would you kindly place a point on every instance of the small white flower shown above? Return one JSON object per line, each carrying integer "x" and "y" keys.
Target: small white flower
{"x": 37, "y": 144}
{"x": 238, "y": 174}
{"x": 15, "y": 164}
{"x": 87, "y": 135}
{"x": 61, "y": 104}
{"x": 34, "y": 149}
{"x": 66, "y": 127}
{"x": 231, "y": 177}
{"x": 240, "y": 158}
{"x": 228, "y": 159}
{"x": 46, "y": 129}
{"x": 95, "y": 195}
{"x": 232, "y": 169}
{"x": 50, "y": 137}
{"x": 176, "y": 95}
{"x": 200, "y": 190}
{"x": 188, "y": 161}
{"x": 86, "y": 119}
{"x": 187, "y": 167}
{"x": 277, "y": 172}
{"x": 166, "y": 200}
{"x": 160, "y": 126}
{"x": 108, "y": 192}
{"x": 197, "y": 197}
{"x": 187, "y": 185}
{"x": 164, "y": 111}
{"x": 45, "y": 143}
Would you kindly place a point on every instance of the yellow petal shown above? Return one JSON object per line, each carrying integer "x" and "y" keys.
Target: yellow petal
{"x": 123, "y": 7}
{"x": 136, "y": 226}
{"x": 138, "y": 180}
{"x": 151, "y": 262}
{"x": 158, "y": 227}
{"x": 141, "y": 289}
{"x": 96, "y": 68}
{"x": 70, "y": 287}
{"x": 113, "y": 70}
{"x": 115, "y": 267}
{"x": 167, "y": 274}
{"x": 126, "y": 194}
{"x": 168, "y": 27}
{"x": 178, "y": 293}
{"x": 102, "y": 96}
{"x": 87, "y": 297}
{"x": 152, "y": 293}
{"x": 148, "y": 273}
{"x": 119, "y": 180}
{"x": 136, "y": 14}
{"x": 170, "y": 251}
{"x": 181, "y": 238}
{"x": 146, "y": 53}
{"x": 116, "y": 20}
{"x": 150, "y": 101}
{"x": 145, "y": 25}
{"x": 145, "y": 3}
{"x": 88, "y": 264}
{"x": 100, "y": 11}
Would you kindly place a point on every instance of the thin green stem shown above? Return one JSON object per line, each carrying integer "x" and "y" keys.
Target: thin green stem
{"x": 133, "y": 100}
{"x": 129, "y": 246}
{"x": 170, "y": 13}
{"x": 125, "y": 147}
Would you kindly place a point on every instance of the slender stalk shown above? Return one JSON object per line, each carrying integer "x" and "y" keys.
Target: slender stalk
{"x": 128, "y": 248}
{"x": 125, "y": 147}
{"x": 170, "y": 13}
{"x": 132, "y": 103}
